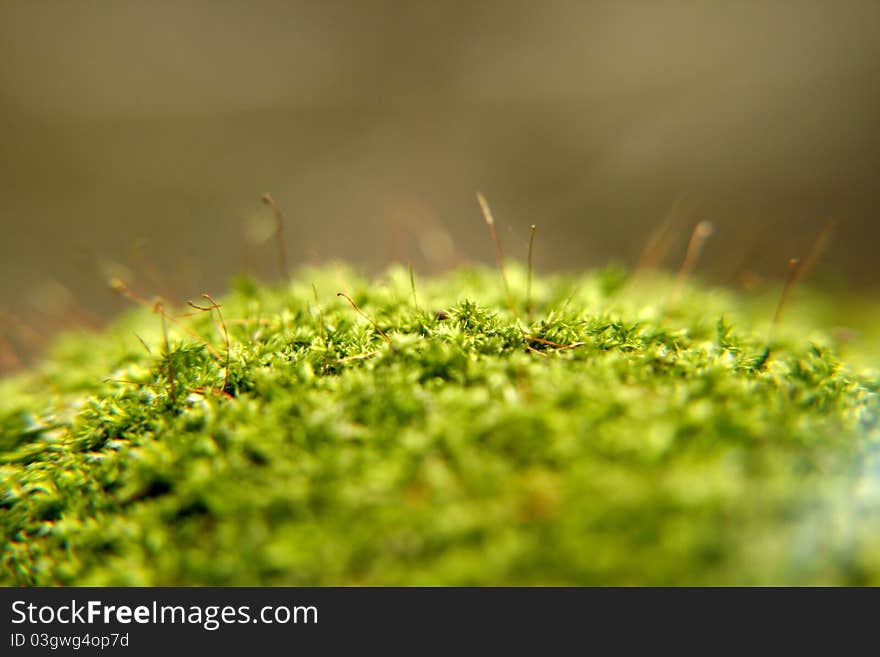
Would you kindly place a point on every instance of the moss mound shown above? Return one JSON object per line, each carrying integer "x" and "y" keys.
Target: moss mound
{"x": 607, "y": 440}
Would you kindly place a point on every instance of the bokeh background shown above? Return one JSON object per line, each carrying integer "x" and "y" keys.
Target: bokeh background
{"x": 137, "y": 137}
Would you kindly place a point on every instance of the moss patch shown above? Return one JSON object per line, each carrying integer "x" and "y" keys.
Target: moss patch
{"x": 605, "y": 441}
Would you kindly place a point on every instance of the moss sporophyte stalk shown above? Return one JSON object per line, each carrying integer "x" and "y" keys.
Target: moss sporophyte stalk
{"x": 451, "y": 431}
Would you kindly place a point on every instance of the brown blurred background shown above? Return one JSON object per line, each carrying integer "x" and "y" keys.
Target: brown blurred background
{"x": 143, "y": 133}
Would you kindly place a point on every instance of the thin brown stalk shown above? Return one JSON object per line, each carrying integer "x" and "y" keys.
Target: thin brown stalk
{"x": 557, "y": 345}
{"x": 499, "y": 253}
{"x": 529, "y": 283}
{"x": 794, "y": 274}
{"x": 159, "y": 310}
{"x": 122, "y": 289}
{"x": 361, "y": 313}
{"x": 701, "y": 233}
{"x": 817, "y": 248}
{"x": 216, "y": 306}
{"x": 279, "y": 234}
{"x": 412, "y": 284}
{"x": 661, "y": 238}
{"x": 320, "y": 315}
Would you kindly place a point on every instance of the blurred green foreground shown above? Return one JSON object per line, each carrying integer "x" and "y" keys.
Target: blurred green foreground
{"x": 612, "y": 437}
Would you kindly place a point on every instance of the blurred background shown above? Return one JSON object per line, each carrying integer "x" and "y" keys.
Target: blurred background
{"x": 137, "y": 137}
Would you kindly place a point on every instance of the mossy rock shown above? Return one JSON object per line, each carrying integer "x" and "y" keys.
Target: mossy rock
{"x": 610, "y": 438}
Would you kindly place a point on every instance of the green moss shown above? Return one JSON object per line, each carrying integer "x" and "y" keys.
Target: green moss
{"x": 662, "y": 446}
